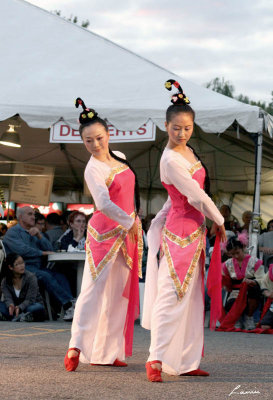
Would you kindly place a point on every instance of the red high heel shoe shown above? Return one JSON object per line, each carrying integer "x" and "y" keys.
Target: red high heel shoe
{"x": 72, "y": 363}
{"x": 153, "y": 375}
{"x": 196, "y": 372}
{"x": 116, "y": 363}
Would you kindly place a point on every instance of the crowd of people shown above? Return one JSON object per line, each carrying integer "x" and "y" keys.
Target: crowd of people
{"x": 27, "y": 243}
{"x": 245, "y": 278}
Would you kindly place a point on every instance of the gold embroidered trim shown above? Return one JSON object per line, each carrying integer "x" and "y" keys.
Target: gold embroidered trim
{"x": 195, "y": 168}
{"x": 193, "y": 265}
{"x": 181, "y": 289}
{"x": 114, "y": 249}
{"x": 187, "y": 240}
{"x": 104, "y": 236}
{"x": 114, "y": 172}
{"x": 119, "y": 243}
{"x": 140, "y": 248}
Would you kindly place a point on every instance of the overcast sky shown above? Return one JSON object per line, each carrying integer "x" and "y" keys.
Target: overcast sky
{"x": 196, "y": 39}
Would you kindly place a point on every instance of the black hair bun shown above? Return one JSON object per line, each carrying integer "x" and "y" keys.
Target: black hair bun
{"x": 88, "y": 114}
{"x": 178, "y": 98}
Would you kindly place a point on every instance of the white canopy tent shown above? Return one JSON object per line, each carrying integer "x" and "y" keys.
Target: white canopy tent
{"x": 47, "y": 62}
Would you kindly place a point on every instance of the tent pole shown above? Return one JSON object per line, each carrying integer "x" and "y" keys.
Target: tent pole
{"x": 254, "y": 228}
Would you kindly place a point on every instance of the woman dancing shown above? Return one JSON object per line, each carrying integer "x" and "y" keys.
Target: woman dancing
{"x": 174, "y": 294}
{"x": 103, "y": 323}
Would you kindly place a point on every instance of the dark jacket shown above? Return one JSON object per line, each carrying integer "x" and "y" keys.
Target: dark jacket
{"x": 17, "y": 240}
{"x": 29, "y": 293}
{"x": 68, "y": 239}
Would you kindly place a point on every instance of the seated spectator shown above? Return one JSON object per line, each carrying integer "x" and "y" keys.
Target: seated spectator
{"x": 21, "y": 298}
{"x": 269, "y": 227}
{"x": 27, "y": 241}
{"x": 75, "y": 238}
{"x": 267, "y": 287}
{"x": 266, "y": 246}
{"x": 3, "y": 230}
{"x": 54, "y": 230}
{"x": 40, "y": 222}
{"x": 246, "y": 217}
{"x": 64, "y": 220}
{"x": 231, "y": 223}
{"x": 242, "y": 272}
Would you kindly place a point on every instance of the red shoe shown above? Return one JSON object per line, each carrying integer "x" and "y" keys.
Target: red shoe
{"x": 153, "y": 375}
{"x": 71, "y": 363}
{"x": 196, "y": 372}
{"x": 116, "y": 363}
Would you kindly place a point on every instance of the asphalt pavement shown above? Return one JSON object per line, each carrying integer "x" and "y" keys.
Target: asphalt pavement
{"x": 31, "y": 368}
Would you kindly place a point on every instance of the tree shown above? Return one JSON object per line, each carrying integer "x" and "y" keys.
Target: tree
{"x": 74, "y": 19}
{"x": 222, "y": 86}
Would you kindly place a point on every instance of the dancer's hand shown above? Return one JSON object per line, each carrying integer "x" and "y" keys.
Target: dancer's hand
{"x": 132, "y": 233}
{"x": 220, "y": 229}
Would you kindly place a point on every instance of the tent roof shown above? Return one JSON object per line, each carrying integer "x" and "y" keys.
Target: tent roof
{"x": 47, "y": 62}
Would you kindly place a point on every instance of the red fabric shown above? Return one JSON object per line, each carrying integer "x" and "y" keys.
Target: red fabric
{"x": 236, "y": 310}
{"x": 227, "y": 324}
{"x": 214, "y": 284}
{"x": 131, "y": 291}
{"x": 258, "y": 264}
{"x": 265, "y": 309}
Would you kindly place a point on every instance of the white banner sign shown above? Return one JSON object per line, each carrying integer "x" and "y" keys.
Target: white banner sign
{"x": 61, "y": 132}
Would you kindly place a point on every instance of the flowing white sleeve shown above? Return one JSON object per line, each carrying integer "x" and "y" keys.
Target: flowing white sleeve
{"x": 100, "y": 193}
{"x": 154, "y": 233}
{"x": 154, "y": 240}
{"x": 180, "y": 177}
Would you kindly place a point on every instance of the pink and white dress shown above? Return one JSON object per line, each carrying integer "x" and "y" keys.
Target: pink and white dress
{"x": 174, "y": 293}
{"x": 107, "y": 306}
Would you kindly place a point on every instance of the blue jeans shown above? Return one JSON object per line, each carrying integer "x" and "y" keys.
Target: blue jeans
{"x": 55, "y": 283}
{"x": 37, "y": 310}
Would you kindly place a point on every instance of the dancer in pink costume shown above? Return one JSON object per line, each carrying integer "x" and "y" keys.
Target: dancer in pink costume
{"x": 103, "y": 323}
{"x": 174, "y": 293}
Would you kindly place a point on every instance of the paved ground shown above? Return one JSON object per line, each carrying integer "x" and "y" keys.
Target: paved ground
{"x": 32, "y": 355}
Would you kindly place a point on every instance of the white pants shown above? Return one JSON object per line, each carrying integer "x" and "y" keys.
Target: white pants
{"x": 100, "y": 312}
{"x": 177, "y": 327}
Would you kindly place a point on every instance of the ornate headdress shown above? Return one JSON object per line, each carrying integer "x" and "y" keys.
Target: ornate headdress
{"x": 88, "y": 114}
{"x": 179, "y": 97}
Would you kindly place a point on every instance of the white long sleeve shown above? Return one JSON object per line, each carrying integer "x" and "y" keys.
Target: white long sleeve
{"x": 174, "y": 171}
{"x": 154, "y": 233}
{"x": 95, "y": 175}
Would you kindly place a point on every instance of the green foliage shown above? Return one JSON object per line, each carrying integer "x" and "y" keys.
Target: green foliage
{"x": 221, "y": 86}
{"x": 224, "y": 87}
{"x": 74, "y": 19}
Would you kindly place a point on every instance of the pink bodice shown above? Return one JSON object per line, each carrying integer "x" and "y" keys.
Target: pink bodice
{"x": 183, "y": 237}
{"x": 105, "y": 237}
{"x": 183, "y": 219}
